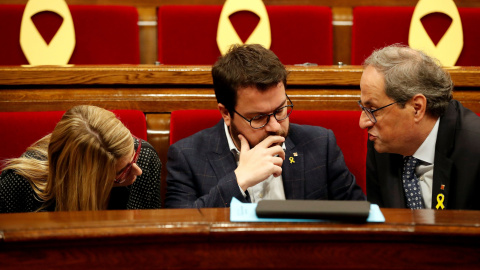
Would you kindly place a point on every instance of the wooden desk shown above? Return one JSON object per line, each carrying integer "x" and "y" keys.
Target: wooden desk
{"x": 206, "y": 239}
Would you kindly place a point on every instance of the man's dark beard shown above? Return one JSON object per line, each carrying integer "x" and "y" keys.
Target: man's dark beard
{"x": 234, "y": 134}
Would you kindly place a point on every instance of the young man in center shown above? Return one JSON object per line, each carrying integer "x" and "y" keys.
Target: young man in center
{"x": 254, "y": 153}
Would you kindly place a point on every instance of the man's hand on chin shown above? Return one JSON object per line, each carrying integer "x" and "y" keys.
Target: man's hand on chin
{"x": 257, "y": 164}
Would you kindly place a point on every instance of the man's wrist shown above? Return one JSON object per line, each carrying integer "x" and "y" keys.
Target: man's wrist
{"x": 241, "y": 183}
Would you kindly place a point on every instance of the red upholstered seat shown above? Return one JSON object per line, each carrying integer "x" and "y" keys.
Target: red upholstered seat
{"x": 104, "y": 34}
{"x": 21, "y": 129}
{"x": 187, "y": 34}
{"x": 377, "y": 27}
{"x": 350, "y": 138}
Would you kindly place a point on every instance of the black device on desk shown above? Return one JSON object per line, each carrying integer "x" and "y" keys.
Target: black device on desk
{"x": 351, "y": 211}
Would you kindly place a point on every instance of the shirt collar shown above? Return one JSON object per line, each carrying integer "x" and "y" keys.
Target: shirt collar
{"x": 426, "y": 151}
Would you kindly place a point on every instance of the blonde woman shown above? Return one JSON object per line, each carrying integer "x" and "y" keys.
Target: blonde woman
{"x": 90, "y": 161}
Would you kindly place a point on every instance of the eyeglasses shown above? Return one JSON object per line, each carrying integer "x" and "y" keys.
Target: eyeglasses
{"x": 121, "y": 178}
{"x": 262, "y": 120}
{"x": 370, "y": 112}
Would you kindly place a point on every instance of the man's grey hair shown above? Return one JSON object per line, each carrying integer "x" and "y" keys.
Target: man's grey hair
{"x": 409, "y": 72}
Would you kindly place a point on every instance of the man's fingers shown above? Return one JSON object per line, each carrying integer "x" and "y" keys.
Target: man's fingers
{"x": 278, "y": 161}
{"x": 276, "y": 151}
{"x": 277, "y": 172}
{"x": 270, "y": 140}
{"x": 244, "y": 146}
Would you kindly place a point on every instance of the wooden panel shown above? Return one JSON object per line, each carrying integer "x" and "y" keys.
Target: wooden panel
{"x": 147, "y": 17}
{"x": 123, "y": 76}
{"x": 206, "y": 239}
{"x": 158, "y": 133}
{"x": 342, "y": 34}
{"x": 160, "y": 89}
{"x": 170, "y": 99}
{"x": 166, "y": 88}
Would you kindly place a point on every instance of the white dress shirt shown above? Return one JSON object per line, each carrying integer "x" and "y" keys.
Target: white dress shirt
{"x": 424, "y": 171}
{"x": 269, "y": 189}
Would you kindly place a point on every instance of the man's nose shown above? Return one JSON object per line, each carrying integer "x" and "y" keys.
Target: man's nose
{"x": 365, "y": 122}
{"x": 273, "y": 125}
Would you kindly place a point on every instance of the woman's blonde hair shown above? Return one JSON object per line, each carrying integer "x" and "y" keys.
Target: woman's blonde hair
{"x": 78, "y": 170}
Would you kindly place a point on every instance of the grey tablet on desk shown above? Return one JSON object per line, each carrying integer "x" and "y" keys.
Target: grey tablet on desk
{"x": 353, "y": 211}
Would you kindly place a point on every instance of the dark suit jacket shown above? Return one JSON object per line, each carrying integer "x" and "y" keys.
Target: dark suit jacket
{"x": 201, "y": 169}
{"x": 456, "y": 165}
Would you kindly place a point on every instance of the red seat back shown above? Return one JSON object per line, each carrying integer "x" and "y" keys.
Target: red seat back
{"x": 185, "y": 123}
{"x": 187, "y": 34}
{"x": 377, "y": 27}
{"x": 22, "y": 129}
{"x": 104, "y": 34}
{"x": 350, "y": 138}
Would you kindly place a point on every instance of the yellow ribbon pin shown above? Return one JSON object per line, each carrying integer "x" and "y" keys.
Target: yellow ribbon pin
{"x": 291, "y": 160}
{"x": 440, "y": 199}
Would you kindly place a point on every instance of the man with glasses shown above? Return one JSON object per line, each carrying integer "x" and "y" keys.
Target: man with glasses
{"x": 424, "y": 147}
{"x": 254, "y": 153}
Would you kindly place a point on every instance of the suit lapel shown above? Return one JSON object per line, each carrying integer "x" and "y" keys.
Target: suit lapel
{"x": 442, "y": 168}
{"x": 442, "y": 171}
{"x": 293, "y": 170}
{"x": 221, "y": 159}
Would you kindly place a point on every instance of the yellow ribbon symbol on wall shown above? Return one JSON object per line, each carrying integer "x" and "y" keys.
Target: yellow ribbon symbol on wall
{"x": 35, "y": 48}
{"x": 226, "y": 34}
{"x": 450, "y": 45}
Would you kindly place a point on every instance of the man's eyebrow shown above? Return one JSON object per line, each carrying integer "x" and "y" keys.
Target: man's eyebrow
{"x": 258, "y": 113}
{"x": 367, "y": 103}
{"x": 282, "y": 104}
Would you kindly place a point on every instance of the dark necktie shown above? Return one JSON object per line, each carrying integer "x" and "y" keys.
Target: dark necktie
{"x": 413, "y": 194}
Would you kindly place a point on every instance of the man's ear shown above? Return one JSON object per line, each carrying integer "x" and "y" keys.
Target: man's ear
{"x": 225, "y": 114}
{"x": 419, "y": 103}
